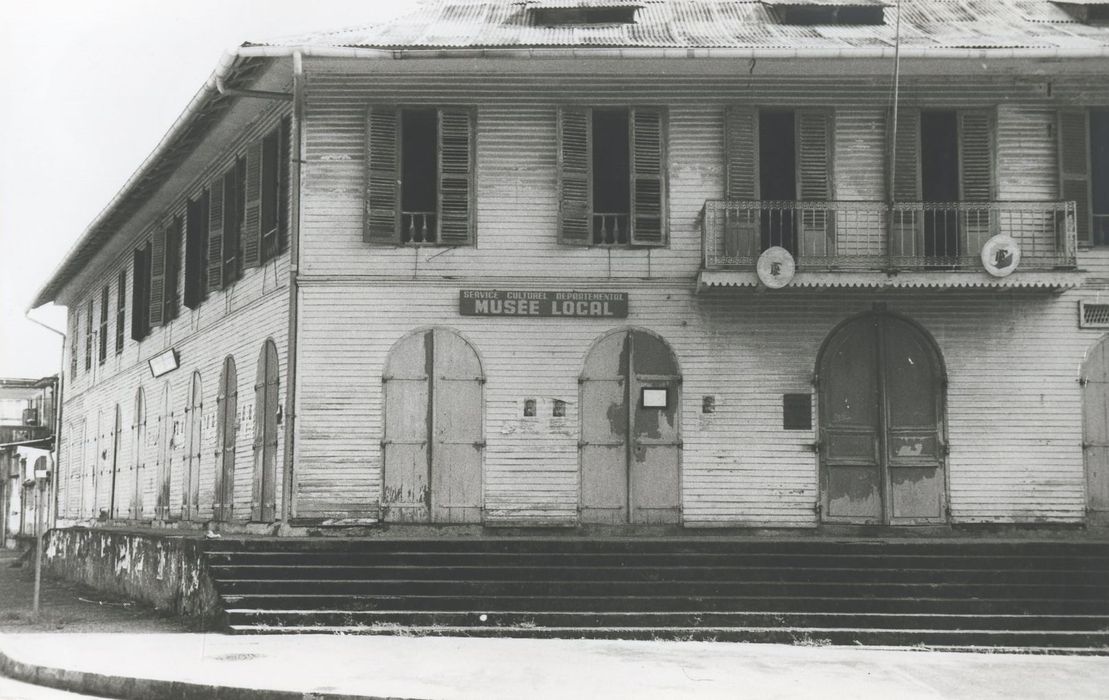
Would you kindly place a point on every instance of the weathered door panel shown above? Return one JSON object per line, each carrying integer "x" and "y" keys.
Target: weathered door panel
{"x": 114, "y": 464}
{"x": 656, "y": 451}
{"x": 405, "y": 496}
{"x": 227, "y": 424}
{"x": 264, "y": 493}
{"x": 138, "y": 456}
{"x": 912, "y": 390}
{"x": 457, "y": 446}
{"x": 1095, "y": 434}
{"x": 164, "y": 472}
{"x": 190, "y": 500}
{"x": 604, "y": 450}
{"x": 852, "y": 474}
{"x": 604, "y": 430}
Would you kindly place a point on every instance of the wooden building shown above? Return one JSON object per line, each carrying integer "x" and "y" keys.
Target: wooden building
{"x": 505, "y": 264}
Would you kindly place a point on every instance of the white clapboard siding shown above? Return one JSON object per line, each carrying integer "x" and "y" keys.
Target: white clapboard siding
{"x": 235, "y": 320}
{"x": 1013, "y": 405}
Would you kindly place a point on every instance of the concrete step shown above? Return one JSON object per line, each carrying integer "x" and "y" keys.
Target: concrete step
{"x": 518, "y": 618}
{"x": 668, "y": 571}
{"x": 674, "y": 602}
{"x": 811, "y": 636}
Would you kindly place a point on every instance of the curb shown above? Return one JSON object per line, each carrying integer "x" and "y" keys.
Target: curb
{"x": 105, "y": 685}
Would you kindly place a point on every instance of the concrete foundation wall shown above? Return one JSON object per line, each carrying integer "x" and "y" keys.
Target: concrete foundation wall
{"x": 167, "y": 572}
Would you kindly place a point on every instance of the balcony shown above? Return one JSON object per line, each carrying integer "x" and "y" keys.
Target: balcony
{"x": 856, "y": 243}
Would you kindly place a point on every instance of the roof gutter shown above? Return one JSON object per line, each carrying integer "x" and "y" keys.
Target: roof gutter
{"x": 674, "y": 53}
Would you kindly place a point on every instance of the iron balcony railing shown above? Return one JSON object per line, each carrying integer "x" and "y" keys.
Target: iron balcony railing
{"x": 877, "y": 236}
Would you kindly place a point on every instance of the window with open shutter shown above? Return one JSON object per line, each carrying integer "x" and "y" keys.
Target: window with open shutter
{"x": 647, "y": 169}
{"x": 456, "y": 160}
{"x": 741, "y": 153}
{"x": 156, "y": 302}
{"x": 252, "y": 207}
{"x": 975, "y": 156}
{"x": 382, "y": 201}
{"x": 271, "y": 191}
{"x": 140, "y": 273}
{"x": 575, "y": 176}
{"x": 173, "y": 268}
{"x": 1074, "y": 167}
{"x": 814, "y": 137}
{"x": 906, "y": 157}
{"x": 215, "y": 235}
{"x": 284, "y": 185}
{"x": 121, "y": 313}
{"x": 196, "y": 250}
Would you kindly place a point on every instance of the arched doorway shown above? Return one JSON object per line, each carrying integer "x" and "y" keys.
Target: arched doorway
{"x": 264, "y": 496}
{"x": 630, "y": 439}
{"x": 138, "y": 454}
{"x": 194, "y": 414}
{"x": 882, "y": 450}
{"x": 432, "y": 451}
{"x": 1095, "y": 427}
{"x": 227, "y": 429}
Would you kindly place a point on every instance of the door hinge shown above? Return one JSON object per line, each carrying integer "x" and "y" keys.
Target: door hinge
{"x": 1083, "y": 381}
{"x": 480, "y": 444}
{"x": 818, "y": 508}
{"x": 815, "y": 446}
{"x": 945, "y": 449}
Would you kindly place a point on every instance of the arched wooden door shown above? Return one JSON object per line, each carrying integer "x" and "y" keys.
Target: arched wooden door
{"x": 227, "y": 429}
{"x": 264, "y": 495}
{"x": 1095, "y": 429}
{"x": 111, "y": 461}
{"x": 194, "y": 417}
{"x": 164, "y": 472}
{"x": 138, "y": 455}
{"x": 630, "y": 444}
{"x": 881, "y": 417}
{"x": 433, "y": 443}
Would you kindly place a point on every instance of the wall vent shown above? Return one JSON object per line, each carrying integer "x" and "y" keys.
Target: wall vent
{"x": 1093, "y": 315}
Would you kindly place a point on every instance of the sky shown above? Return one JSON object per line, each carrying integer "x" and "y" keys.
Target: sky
{"x": 87, "y": 89}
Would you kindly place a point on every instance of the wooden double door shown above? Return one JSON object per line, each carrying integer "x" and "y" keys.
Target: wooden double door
{"x": 630, "y": 441}
{"x": 433, "y": 444}
{"x": 881, "y": 424}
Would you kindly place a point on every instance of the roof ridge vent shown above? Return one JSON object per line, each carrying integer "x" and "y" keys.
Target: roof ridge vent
{"x": 563, "y": 13}
{"x": 828, "y": 12}
{"x": 1085, "y": 11}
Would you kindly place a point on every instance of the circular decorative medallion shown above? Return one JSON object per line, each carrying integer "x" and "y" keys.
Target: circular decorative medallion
{"x": 775, "y": 267}
{"x": 1000, "y": 255}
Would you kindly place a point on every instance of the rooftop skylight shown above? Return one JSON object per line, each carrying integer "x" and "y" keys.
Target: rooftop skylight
{"x": 560, "y": 13}
{"x": 825, "y": 12}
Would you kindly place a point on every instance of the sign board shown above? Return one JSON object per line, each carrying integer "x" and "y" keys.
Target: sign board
{"x": 163, "y": 363}
{"x": 497, "y": 302}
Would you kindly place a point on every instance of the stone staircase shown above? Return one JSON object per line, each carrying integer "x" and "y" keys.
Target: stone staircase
{"x": 952, "y": 593}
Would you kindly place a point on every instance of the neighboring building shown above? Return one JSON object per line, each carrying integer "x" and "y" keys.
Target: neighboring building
{"x": 27, "y": 424}
{"x": 495, "y": 262}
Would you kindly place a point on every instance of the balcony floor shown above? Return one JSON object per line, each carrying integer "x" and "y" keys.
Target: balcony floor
{"x": 1056, "y": 281}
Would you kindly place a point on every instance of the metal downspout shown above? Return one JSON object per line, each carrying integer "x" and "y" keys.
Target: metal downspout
{"x": 296, "y": 180}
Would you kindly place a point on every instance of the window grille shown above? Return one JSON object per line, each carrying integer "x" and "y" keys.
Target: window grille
{"x": 1093, "y": 315}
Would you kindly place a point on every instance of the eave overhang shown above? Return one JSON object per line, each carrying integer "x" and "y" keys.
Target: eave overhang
{"x": 1042, "y": 281}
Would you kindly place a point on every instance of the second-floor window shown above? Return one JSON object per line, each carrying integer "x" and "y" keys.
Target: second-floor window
{"x": 196, "y": 249}
{"x": 419, "y": 177}
{"x": 1084, "y": 170}
{"x": 612, "y": 191}
{"x": 104, "y": 294}
{"x": 121, "y": 314}
{"x": 140, "y": 292}
{"x": 88, "y": 336}
{"x": 75, "y": 328}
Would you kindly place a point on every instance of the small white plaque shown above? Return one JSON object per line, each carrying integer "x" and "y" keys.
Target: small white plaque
{"x": 163, "y": 363}
{"x": 655, "y": 398}
{"x": 1000, "y": 255}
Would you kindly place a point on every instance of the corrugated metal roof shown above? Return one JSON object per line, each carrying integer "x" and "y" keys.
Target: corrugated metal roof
{"x": 745, "y": 24}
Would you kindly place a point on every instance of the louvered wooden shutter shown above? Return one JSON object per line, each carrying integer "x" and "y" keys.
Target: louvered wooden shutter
{"x": 381, "y": 225}
{"x": 906, "y": 155}
{"x": 215, "y": 235}
{"x": 138, "y": 275}
{"x": 456, "y": 226}
{"x": 1074, "y": 167}
{"x": 284, "y": 161}
{"x": 575, "y": 176}
{"x": 252, "y": 206}
{"x": 156, "y": 310}
{"x": 975, "y": 157}
{"x": 814, "y": 179}
{"x": 648, "y": 220}
{"x": 741, "y": 153}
